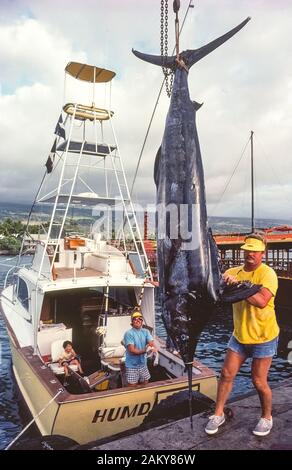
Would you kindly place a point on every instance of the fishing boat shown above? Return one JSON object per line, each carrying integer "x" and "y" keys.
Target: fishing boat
{"x": 81, "y": 285}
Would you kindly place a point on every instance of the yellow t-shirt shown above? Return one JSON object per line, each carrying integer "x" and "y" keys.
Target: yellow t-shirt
{"x": 253, "y": 325}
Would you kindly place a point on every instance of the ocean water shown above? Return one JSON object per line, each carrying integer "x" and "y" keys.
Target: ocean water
{"x": 10, "y": 420}
{"x": 211, "y": 348}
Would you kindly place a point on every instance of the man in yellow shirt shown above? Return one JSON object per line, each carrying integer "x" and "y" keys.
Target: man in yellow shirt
{"x": 255, "y": 334}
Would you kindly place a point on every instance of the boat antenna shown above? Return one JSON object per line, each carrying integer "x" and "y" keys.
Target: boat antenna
{"x": 252, "y": 182}
{"x": 156, "y": 103}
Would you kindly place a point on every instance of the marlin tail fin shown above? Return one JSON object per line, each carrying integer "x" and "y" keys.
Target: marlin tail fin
{"x": 190, "y": 56}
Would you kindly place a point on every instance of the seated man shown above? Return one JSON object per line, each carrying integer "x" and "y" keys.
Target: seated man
{"x": 136, "y": 341}
{"x": 68, "y": 357}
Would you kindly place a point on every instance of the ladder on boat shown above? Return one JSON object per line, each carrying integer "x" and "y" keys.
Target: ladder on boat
{"x": 76, "y": 156}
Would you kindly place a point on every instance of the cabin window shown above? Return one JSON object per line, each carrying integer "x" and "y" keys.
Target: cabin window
{"x": 23, "y": 293}
{"x": 119, "y": 296}
{"x": 125, "y": 296}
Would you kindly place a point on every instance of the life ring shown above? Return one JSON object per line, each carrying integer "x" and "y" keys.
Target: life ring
{"x": 87, "y": 112}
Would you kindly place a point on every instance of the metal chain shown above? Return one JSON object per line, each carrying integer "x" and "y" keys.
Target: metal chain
{"x": 168, "y": 74}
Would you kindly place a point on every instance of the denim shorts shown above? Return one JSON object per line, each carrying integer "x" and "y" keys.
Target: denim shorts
{"x": 259, "y": 350}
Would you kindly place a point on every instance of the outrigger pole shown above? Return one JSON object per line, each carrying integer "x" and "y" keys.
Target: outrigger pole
{"x": 252, "y": 182}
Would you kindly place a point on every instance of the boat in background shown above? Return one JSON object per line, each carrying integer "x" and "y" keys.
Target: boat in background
{"x": 83, "y": 287}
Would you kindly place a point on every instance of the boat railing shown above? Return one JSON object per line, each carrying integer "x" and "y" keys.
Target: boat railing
{"x": 11, "y": 273}
{"x": 129, "y": 250}
{"x": 283, "y": 268}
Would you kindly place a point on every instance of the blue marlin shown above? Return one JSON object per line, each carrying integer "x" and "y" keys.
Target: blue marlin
{"x": 190, "y": 277}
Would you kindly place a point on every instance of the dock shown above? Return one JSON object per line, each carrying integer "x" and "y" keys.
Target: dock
{"x": 235, "y": 433}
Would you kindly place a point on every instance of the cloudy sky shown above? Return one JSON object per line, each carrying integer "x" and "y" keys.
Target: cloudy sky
{"x": 245, "y": 85}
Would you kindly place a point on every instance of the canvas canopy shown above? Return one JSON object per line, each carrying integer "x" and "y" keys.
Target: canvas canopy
{"x": 89, "y": 73}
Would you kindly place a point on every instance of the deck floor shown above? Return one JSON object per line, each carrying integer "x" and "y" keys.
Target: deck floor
{"x": 67, "y": 273}
{"x": 236, "y": 433}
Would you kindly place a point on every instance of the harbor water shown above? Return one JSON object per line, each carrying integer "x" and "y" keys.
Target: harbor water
{"x": 10, "y": 420}
{"x": 211, "y": 350}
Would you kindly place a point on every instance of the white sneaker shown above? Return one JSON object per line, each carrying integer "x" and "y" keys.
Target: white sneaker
{"x": 263, "y": 427}
{"x": 214, "y": 423}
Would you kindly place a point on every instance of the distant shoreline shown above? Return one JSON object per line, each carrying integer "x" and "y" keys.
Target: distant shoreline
{"x": 7, "y": 252}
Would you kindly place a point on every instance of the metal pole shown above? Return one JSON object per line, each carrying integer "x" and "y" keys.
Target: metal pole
{"x": 252, "y": 181}
{"x": 145, "y": 225}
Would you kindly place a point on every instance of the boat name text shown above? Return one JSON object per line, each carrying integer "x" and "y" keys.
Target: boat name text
{"x": 112, "y": 414}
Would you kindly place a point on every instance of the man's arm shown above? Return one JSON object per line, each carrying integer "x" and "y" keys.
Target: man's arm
{"x": 137, "y": 351}
{"x": 134, "y": 350}
{"x": 261, "y": 298}
{"x": 230, "y": 279}
{"x": 152, "y": 346}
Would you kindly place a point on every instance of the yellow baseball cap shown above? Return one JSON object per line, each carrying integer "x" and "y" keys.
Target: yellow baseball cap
{"x": 136, "y": 314}
{"x": 253, "y": 244}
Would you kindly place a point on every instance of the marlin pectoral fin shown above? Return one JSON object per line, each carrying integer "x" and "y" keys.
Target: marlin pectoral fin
{"x": 242, "y": 290}
{"x": 193, "y": 56}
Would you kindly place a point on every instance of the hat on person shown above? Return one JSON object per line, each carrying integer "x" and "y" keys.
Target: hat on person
{"x": 136, "y": 314}
{"x": 254, "y": 242}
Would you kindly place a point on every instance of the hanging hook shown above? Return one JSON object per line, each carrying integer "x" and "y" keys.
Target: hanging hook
{"x": 176, "y": 6}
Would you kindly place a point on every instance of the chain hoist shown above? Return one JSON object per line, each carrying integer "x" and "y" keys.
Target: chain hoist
{"x": 168, "y": 73}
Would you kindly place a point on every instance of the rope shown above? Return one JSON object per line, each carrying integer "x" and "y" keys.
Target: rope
{"x": 33, "y": 419}
{"x": 155, "y": 107}
{"x": 230, "y": 178}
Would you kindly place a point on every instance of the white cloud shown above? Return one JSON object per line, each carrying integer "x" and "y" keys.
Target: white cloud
{"x": 246, "y": 84}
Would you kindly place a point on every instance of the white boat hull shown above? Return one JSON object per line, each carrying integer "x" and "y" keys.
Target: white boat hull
{"x": 98, "y": 415}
